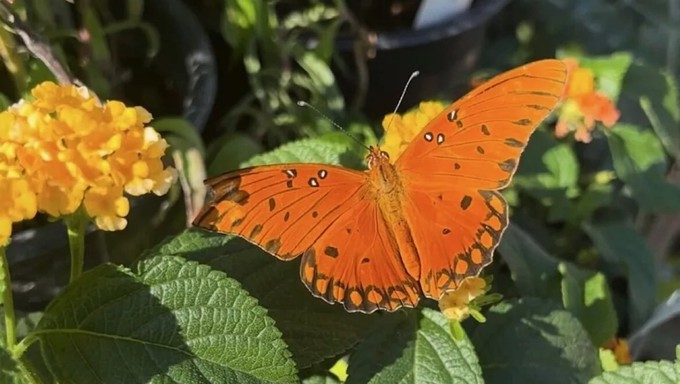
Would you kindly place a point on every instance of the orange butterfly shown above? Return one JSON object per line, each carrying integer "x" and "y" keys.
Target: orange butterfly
{"x": 377, "y": 239}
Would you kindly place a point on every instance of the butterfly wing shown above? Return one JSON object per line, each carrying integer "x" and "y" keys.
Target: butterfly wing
{"x": 454, "y": 166}
{"x": 356, "y": 262}
{"x": 324, "y": 212}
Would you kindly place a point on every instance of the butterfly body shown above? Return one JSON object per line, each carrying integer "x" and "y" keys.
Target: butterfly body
{"x": 381, "y": 238}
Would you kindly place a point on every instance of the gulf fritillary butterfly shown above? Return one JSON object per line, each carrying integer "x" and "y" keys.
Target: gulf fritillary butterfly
{"x": 380, "y": 238}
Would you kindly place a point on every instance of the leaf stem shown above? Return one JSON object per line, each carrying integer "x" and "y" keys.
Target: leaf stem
{"x": 76, "y": 225}
{"x": 7, "y": 301}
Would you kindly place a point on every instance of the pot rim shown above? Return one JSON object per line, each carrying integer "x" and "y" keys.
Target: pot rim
{"x": 479, "y": 13}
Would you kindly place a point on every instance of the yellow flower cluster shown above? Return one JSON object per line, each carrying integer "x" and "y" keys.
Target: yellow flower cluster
{"x": 455, "y": 305}
{"x": 400, "y": 130}
{"x": 64, "y": 148}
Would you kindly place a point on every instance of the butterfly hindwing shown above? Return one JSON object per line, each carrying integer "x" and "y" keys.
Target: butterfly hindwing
{"x": 356, "y": 262}
{"x": 454, "y": 232}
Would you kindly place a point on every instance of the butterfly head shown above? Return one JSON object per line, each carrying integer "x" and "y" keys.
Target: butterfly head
{"x": 376, "y": 157}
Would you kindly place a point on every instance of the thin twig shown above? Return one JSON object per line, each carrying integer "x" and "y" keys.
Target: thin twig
{"x": 363, "y": 47}
{"x": 35, "y": 44}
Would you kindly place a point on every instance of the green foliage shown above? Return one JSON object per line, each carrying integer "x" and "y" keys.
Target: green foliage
{"x": 533, "y": 340}
{"x": 586, "y": 295}
{"x": 281, "y": 71}
{"x": 112, "y": 317}
{"x": 416, "y": 346}
{"x": 651, "y": 372}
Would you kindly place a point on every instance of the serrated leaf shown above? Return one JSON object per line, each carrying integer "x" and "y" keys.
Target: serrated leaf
{"x": 175, "y": 321}
{"x": 321, "y": 379}
{"x": 621, "y": 244}
{"x": 651, "y": 372}
{"x": 534, "y": 341}
{"x": 533, "y": 269}
{"x": 415, "y": 346}
{"x": 640, "y": 162}
{"x": 316, "y": 150}
{"x": 313, "y": 329}
{"x": 586, "y": 295}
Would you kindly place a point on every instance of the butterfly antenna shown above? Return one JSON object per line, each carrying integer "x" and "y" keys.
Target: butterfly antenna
{"x": 401, "y": 98}
{"x": 305, "y": 104}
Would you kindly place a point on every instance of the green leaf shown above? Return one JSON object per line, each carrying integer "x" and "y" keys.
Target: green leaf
{"x": 652, "y": 93}
{"x": 313, "y": 329}
{"x": 230, "y": 151}
{"x": 323, "y": 79}
{"x": 586, "y": 295}
{"x": 547, "y": 163}
{"x": 415, "y": 346}
{"x": 181, "y": 128}
{"x": 175, "y": 321}
{"x": 321, "y": 379}
{"x": 9, "y": 369}
{"x": 534, "y": 341}
{"x": 595, "y": 196}
{"x": 608, "y": 360}
{"x": 533, "y": 270}
{"x": 651, "y": 372}
{"x": 4, "y": 102}
{"x": 619, "y": 243}
{"x": 639, "y": 160}
{"x": 549, "y": 172}
{"x": 610, "y": 72}
{"x": 662, "y": 107}
{"x": 329, "y": 149}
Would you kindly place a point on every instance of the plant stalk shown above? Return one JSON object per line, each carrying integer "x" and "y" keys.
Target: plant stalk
{"x": 76, "y": 225}
{"x": 7, "y": 301}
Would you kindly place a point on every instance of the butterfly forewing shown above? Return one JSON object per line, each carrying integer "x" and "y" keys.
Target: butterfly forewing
{"x": 452, "y": 170}
{"x": 281, "y": 208}
{"x": 477, "y": 141}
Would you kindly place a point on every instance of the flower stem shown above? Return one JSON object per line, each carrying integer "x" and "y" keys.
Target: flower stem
{"x": 76, "y": 225}
{"x": 7, "y": 301}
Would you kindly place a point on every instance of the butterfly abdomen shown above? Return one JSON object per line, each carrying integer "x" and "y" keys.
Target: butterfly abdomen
{"x": 387, "y": 189}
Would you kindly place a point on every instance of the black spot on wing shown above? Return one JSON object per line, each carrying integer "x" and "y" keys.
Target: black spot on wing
{"x": 331, "y": 251}
{"x": 465, "y": 202}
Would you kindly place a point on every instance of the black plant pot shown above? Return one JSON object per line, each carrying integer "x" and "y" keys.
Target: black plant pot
{"x": 445, "y": 55}
{"x": 183, "y": 74}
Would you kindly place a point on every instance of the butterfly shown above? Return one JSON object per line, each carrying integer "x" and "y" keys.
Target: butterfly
{"x": 380, "y": 239}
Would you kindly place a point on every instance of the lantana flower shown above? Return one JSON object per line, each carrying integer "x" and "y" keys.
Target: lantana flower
{"x": 63, "y": 149}
{"x": 620, "y": 349}
{"x": 456, "y": 305}
{"x": 401, "y": 129}
{"x": 583, "y": 105}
